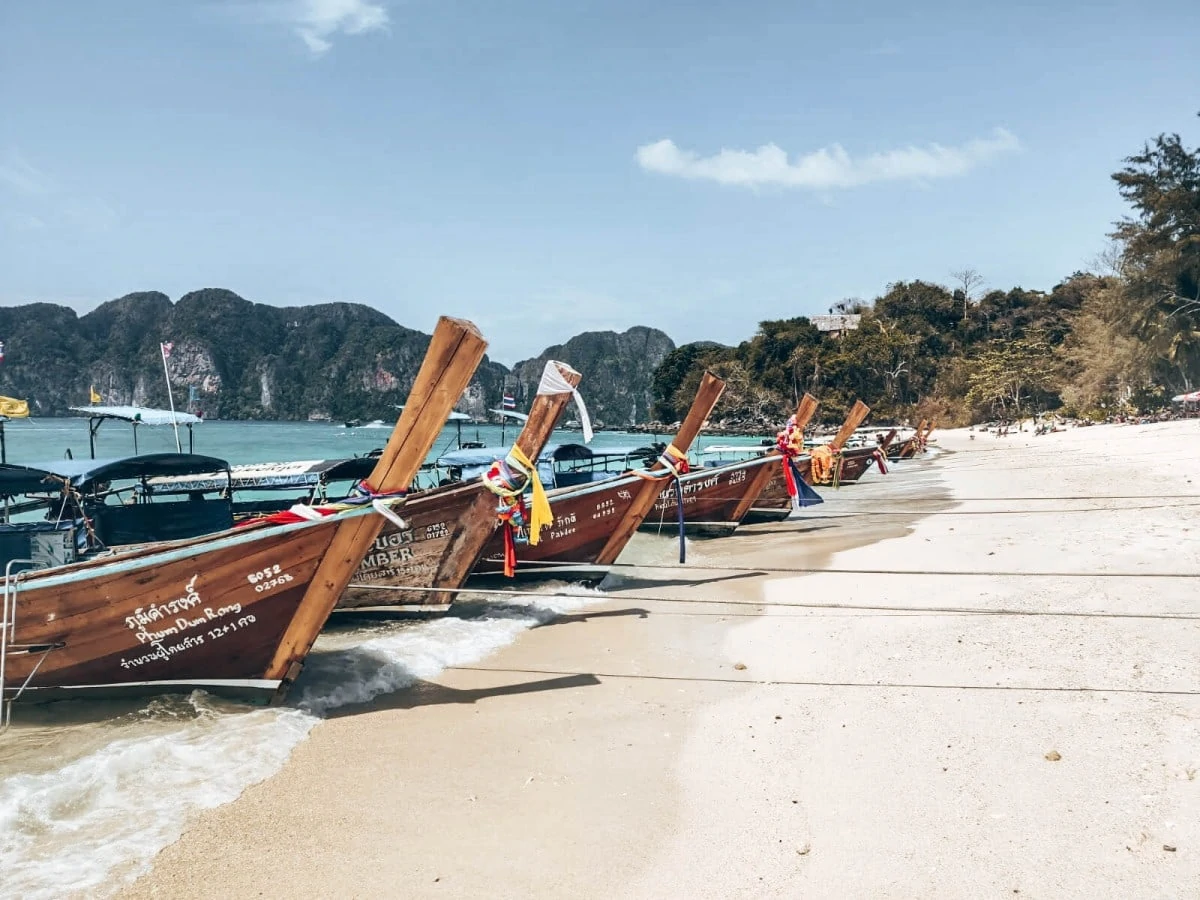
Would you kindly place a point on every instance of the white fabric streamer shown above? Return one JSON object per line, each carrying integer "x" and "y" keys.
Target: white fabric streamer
{"x": 553, "y": 383}
{"x": 384, "y": 508}
{"x": 381, "y": 505}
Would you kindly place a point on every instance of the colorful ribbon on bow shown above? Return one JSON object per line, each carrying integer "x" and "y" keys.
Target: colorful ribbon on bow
{"x": 674, "y": 464}
{"x": 790, "y": 444}
{"x": 826, "y": 465}
{"x": 881, "y": 459}
{"x": 508, "y": 478}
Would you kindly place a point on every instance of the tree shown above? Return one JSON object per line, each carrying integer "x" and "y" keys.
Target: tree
{"x": 1162, "y": 252}
{"x": 1008, "y": 374}
{"x": 1104, "y": 364}
{"x": 968, "y": 282}
{"x": 674, "y": 370}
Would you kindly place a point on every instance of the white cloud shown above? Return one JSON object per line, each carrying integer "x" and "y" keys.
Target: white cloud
{"x": 318, "y": 22}
{"x": 829, "y": 167}
{"x": 20, "y": 176}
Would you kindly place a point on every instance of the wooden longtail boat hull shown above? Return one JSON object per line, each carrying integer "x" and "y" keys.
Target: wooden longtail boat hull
{"x": 447, "y": 530}
{"x": 206, "y": 613}
{"x": 594, "y": 522}
{"x": 418, "y": 556}
{"x": 774, "y": 503}
{"x": 714, "y": 499}
{"x": 855, "y": 463}
{"x": 583, "y": 522}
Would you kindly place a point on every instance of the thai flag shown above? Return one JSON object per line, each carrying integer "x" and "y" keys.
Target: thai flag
{"x": 508, "y": 401}
{"x": 167, "y": 347}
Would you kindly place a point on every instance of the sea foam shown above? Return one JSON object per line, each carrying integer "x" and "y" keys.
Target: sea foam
{"x": 96, "y": 821}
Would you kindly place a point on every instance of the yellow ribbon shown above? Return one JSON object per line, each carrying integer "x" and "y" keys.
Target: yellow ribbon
{"x": 540, "y": 514}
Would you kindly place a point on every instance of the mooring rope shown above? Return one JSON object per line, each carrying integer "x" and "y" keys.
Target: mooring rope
{"x": 812, "y": 570}
{"x": 869, "y": 685}
{"x": 674, "y": 464}
{"x": 827, "y": 605}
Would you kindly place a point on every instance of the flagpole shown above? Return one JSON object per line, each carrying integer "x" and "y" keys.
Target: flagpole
{"x": 162, "y": 349}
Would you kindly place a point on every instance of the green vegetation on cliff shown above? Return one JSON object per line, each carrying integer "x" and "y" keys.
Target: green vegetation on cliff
{"x": 1123, "y": 338}
{"x": 239, "y": 359}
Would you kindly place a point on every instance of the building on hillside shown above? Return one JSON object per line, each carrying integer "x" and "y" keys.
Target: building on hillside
{"x": 836, "y": 325}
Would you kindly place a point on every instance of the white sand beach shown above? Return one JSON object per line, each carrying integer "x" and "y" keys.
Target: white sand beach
{"x": 717, "y": 733}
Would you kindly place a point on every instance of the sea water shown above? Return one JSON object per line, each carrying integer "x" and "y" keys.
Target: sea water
{"x": 90, "y": 791}
{"x": 45, "y": 440}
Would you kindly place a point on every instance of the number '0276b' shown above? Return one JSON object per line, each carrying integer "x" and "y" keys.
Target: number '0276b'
{"x": 256, "y": 577}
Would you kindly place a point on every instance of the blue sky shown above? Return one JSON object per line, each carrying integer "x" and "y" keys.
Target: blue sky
{"x": 509, "y": 162}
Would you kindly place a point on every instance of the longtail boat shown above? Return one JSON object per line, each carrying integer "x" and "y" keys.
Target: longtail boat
{"x": 448, "y": 527}
{"x": 836, "y": 464}
{"x": 236, "y": 611}
{"x": 594, "y": 520}
{"x": 717, "y": 499}
{"x": 909, "y": 448}
{"x": 780, "y": 494}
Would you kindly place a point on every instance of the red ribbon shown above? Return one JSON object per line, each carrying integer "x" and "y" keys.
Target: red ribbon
{"x": 881, "y": 458}
{"x": 790, "y": 478}
{"x": 510, "y": 535}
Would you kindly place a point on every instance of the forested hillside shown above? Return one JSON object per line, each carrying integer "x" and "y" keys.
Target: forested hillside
{"x": 1123, "y": 337}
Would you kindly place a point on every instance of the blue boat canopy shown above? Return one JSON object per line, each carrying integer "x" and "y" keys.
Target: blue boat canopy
{"x": 485, "y": 456}
{"x": 81, "y": 473}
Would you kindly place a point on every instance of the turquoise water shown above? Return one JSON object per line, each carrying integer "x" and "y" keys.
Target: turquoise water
{"x": 43, "y": 440}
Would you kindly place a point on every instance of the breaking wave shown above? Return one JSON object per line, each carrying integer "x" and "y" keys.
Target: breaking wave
{"x": 89, "y": 794}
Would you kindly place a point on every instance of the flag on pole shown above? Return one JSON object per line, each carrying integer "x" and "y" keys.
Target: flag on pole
{"x": 1, "y": 351}
{"x": 508, "y": 401}
{"x": 95, "y": 397}
{"x": 167, "y": 347}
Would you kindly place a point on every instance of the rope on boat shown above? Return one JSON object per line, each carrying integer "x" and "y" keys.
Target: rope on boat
{"x": 674, "y": 463}
{"x": 849, "y": 607}
{"x": 362, "y": 494}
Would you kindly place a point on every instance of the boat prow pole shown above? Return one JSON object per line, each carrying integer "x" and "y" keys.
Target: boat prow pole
{"x": 454, "y": 352}
{"x": 857, "y": 415}
{"x": 805, "y": 410}
{"x": 475, "y": 526}
{"x": 707, "y": 395}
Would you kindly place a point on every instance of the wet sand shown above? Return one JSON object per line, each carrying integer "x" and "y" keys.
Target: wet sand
{"x": 709, "y": 744}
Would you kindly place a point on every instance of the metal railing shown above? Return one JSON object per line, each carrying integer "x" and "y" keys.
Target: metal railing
{"x": 8, "y": 632}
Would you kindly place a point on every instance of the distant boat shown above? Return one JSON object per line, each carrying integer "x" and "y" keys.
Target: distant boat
{"x": 352, "y": 423}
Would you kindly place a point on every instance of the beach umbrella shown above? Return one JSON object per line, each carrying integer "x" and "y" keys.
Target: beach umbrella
{"x": 1193, "y": 397}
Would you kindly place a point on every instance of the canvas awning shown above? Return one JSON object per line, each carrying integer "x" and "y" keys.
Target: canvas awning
{"x": 141, "y": 415}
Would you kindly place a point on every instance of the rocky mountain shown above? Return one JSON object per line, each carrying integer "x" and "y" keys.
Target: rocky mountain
{"x": 617, "y": 369}
{"x": 236, "y": 358}
{"x": 244, "y": 360}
